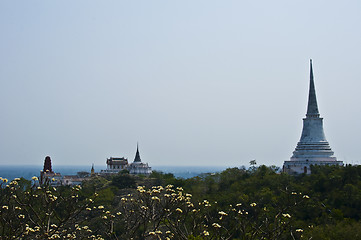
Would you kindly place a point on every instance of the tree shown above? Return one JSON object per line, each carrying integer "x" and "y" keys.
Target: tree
{"x": 123, "y": 181}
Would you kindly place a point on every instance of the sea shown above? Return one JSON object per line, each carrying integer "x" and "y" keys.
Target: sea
{"x": 28, "y": 171}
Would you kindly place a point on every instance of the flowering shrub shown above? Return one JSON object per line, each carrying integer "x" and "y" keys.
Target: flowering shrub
{"x": 41, "y": 212}
{"x": 45, "y": 212}
{"x": 170, "y": 213}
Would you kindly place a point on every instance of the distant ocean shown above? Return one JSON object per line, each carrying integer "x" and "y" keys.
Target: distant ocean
{"x": 27, "y": 172}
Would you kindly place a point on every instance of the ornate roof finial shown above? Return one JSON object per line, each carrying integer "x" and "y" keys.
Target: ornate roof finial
{"x": 137, "y": 155}
{"x": 312, "y": 109}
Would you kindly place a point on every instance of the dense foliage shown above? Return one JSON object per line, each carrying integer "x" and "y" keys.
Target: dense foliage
{"x": 238, "y": 203}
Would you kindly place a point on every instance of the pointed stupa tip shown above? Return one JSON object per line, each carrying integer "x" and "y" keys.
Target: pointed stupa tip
{"x": 137, "y": 155}
{"x": 312, "y": 108}
{"x": 92, "y": 171}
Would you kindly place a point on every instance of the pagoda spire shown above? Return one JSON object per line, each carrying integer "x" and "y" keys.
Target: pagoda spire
{"x": 47, "y": 165}
{"x": 137, "y": 155}
{"x": 312, "y": 148}
{"x": 312, "y": 109}
{"x": 92, "y": 171}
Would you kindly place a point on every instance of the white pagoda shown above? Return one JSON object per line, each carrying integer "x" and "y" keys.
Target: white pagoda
{"x": 313, "y": 148}
{"x": 138, "y": 167}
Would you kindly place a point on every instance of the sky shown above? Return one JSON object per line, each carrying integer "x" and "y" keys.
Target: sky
{"x": 195, "y": 83}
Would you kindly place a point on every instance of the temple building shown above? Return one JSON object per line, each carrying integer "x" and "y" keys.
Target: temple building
{"x": 313, "y": 148}
{"x": 118, "y": 164}
{"x": 47, "y": 174}
{"x": 115, "y": 164}
{"x": 138, "y": 167}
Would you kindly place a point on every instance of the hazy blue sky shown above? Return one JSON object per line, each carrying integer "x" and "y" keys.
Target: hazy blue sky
{"x": 195, "y": 82}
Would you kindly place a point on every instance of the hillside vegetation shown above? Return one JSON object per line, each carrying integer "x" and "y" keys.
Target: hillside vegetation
{"x": 238, "y": 203}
